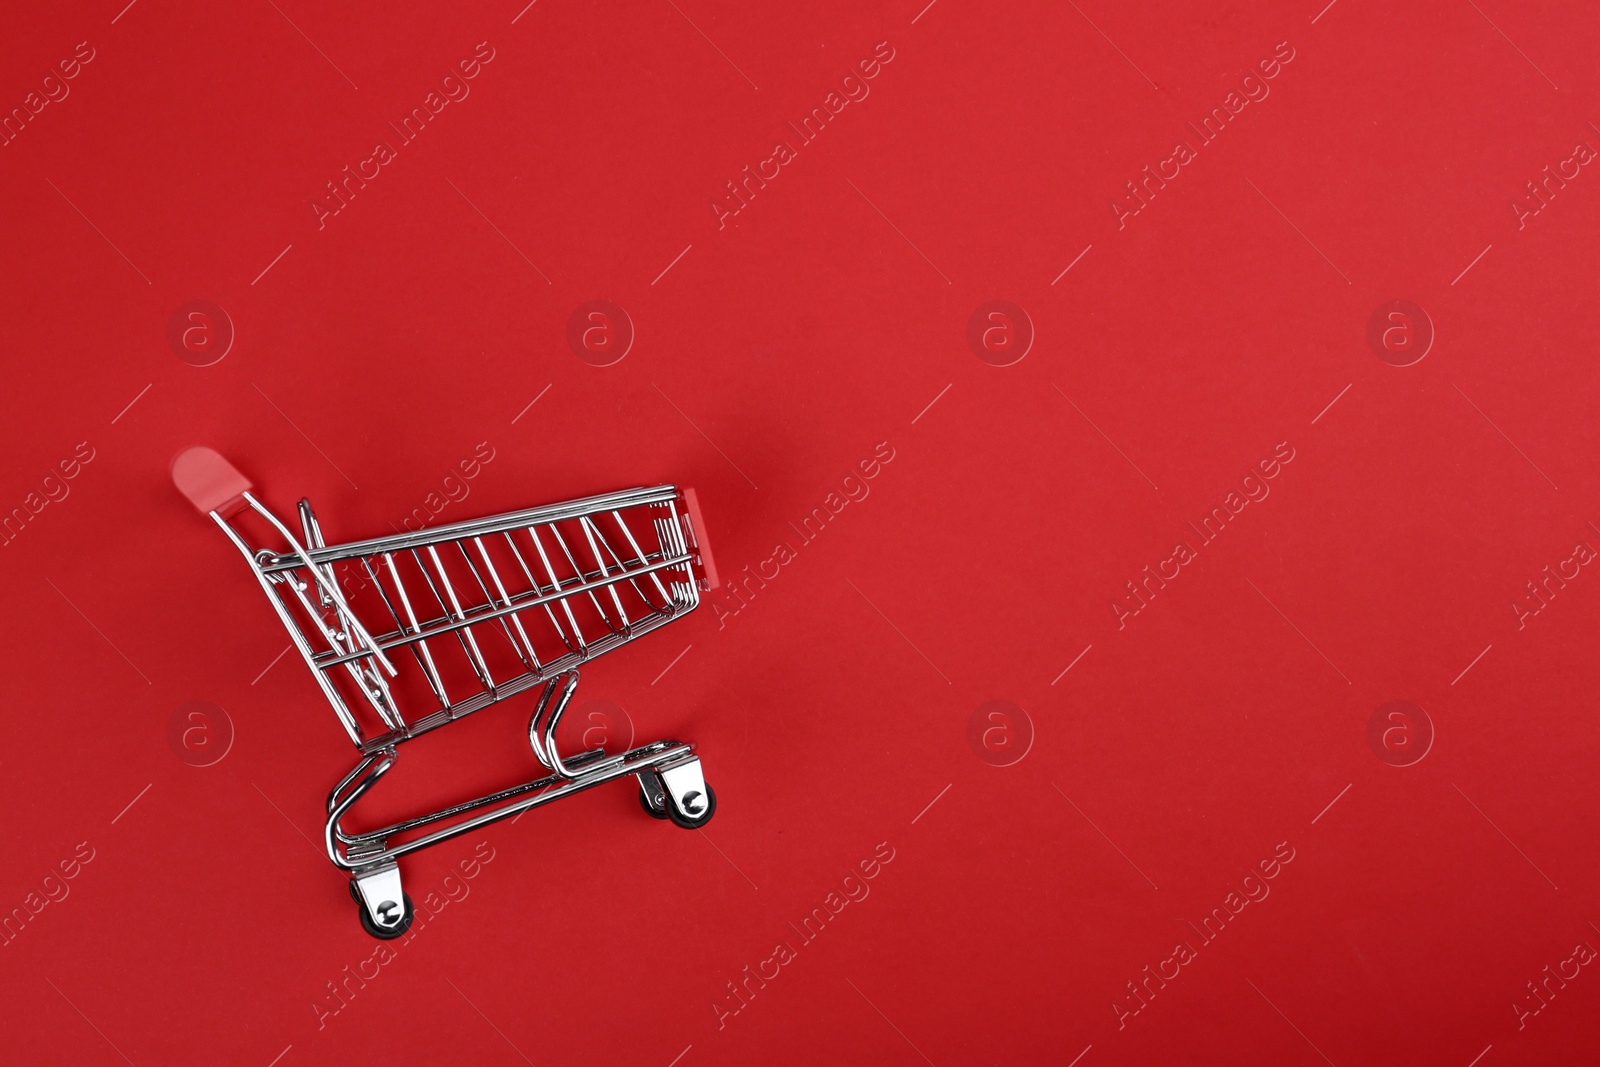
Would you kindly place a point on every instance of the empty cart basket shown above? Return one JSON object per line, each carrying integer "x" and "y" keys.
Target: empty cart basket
{"x": 408, "y": 632}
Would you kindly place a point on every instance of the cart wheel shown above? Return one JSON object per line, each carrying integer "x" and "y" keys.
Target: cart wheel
{"x": 649, "y": 809}
{"x": 380, "y": 932}
{"x": 697, "y": 821}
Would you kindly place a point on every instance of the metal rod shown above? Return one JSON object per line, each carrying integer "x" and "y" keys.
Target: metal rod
{"x": 532, "y": 657}
{"x": 627, "y": 498}
{"x": 549, "y": 789}
{"x": 566, "y": 608}
{"x": 486, "y": 616}
{"x": 589, "y": 532}
{"x": 534, "y": 582}
{"x": 435, "y": 682}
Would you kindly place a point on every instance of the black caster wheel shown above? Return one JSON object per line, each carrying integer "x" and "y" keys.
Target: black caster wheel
{"x": 649, "y": 809}
{"x": 699, "y": 820}
{"x": 380, "y": 932}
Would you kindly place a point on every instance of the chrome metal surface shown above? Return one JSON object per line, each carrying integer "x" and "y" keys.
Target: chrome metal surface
{"x": 408, "y": 632}
{"x": 380, "y": 893}
{"x": 685, "y": 786}
{"x": 655, "y": 794}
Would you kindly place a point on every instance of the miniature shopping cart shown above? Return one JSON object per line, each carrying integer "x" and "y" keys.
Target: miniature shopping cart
{"x": 412, "y": 631}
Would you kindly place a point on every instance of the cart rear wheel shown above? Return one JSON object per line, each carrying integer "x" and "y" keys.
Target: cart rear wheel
{"x": 696, "y": 821}
{"x": 383, "y": 933}
{"x": 650, "y": 809}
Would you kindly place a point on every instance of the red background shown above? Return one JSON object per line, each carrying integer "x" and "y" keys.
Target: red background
{"x": 1179, "y": 751}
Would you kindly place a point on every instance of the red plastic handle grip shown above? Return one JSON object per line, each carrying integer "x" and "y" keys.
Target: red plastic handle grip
{"x": 209, "y": 481}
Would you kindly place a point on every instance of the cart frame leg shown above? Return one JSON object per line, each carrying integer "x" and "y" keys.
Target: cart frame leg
{"x": 545, "y": 749}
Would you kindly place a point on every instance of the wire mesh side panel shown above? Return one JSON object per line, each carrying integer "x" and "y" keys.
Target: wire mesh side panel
{"x": 475, "y": 612}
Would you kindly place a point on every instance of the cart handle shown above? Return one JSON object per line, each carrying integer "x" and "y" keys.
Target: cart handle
{"x": 209, "y": 481}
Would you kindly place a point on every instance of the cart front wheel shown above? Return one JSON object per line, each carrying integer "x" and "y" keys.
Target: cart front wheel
{"x": 385, "y": 933}
{"x": 694, "y": 822}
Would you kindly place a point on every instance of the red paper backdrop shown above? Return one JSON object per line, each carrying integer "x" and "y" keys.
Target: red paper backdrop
{"x": 1147, "y": 767}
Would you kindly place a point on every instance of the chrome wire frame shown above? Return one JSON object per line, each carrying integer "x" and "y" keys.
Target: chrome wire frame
{"x": 337, "y": 643}
{"x": 303, "y": 585}
{"x": 370, "y": 849}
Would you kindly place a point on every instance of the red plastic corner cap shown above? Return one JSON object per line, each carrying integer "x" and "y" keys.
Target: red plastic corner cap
{"x": 209, "y": 481}
{"x": 697, "y": 537}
